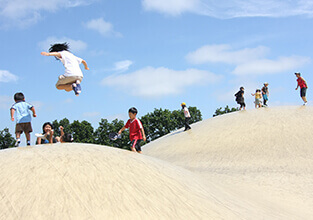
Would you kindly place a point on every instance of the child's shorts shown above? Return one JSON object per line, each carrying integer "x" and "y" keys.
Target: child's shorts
{"x": 136, "y": 144}
{"x": 303, "y": 92}
{"x": 258, "y": 101}
{"x": 23, "y": 127}
{"x": 63, "y": 80}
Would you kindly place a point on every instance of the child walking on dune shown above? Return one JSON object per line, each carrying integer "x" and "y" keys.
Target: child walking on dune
{"x": 240, "y": 98}
{"x": 303, "y": 87}
{"x": 21, "y": 110}
{"x": 73, "y": 75}
{"x": 258, "y": 97}
{"x": 265, "y": 93}
{"x": 136, "y": 131}
{"x": 187, "y": 116}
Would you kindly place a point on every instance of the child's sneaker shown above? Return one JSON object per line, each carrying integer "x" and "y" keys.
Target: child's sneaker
{"x": 79, "y": 88}
{"x": 17, "y": 143}
{"x": 74, "y": 86}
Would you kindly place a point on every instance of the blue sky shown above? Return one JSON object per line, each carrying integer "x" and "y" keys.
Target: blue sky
{"x": 152, "y": 54}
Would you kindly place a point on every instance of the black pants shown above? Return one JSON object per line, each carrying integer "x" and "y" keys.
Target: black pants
{"x": 187, "y": 127}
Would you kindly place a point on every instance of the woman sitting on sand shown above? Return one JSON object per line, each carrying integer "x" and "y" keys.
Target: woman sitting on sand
{"x": 47, "y": 135}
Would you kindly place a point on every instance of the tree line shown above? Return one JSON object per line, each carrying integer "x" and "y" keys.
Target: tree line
{"x": 156, "y": 124}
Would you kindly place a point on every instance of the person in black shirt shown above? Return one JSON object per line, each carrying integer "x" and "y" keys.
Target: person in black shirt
{"x": 240, "y": 98}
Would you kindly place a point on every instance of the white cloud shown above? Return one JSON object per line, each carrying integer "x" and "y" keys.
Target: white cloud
{"x": 103, "y": 27}
{"x": 225, "y": 9}
{"x": 122, "y": 66}
{"x": 22, "y": 13}
{"x": 75, "y": 45}
{"x": 68, "y": 101}
{"x": 6, "y": 76}
{"x": 121, "y": 116}
{"x": 247, "y": 61}
{"x": 37, "y": 104}
{"x": 6, "y": 102}
{"x": 157, "y": 82}
{"x": 265, "y": 66}
{"x": 172, "y": 7}
{"x": 225, "y": 54}
{"x": 91, "y": 114}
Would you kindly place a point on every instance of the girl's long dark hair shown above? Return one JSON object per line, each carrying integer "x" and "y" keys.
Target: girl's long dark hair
{"x": 44, "y": 125}
{"x": 59, "y": 47}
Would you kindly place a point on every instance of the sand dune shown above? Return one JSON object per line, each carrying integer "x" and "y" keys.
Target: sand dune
{"x": 79, "y": 181}
{"x": 255, "y": 164}
{"x": 261, "y": 160}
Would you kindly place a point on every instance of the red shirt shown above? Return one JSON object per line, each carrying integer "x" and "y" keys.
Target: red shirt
{"x": 135, "y": 127}
{"x": 301, "y": 82}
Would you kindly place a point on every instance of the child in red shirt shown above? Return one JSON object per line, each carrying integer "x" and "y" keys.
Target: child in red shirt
{"x": 136, "y": 131}
{"x": 303, "y": 87}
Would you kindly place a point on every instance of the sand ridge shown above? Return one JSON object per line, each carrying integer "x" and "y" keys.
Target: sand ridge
{"x": 254, "y": 164}
{"x": 261, "y": 157}
{"x": 81, "y": 181}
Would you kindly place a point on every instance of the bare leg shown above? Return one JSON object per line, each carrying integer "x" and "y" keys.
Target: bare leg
{"x": 304, "y": 98}
{"x": 66, "y": 87}
{"x": 27, "y": 136}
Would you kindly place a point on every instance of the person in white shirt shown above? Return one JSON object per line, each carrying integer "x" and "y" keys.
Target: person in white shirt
{"x": 73, "y": 75}
{"x": 187, "y": 116}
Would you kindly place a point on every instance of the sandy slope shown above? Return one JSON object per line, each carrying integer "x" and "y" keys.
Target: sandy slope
{"x": 255, "y": 164}
{"x": 77, "y": 181}
{"x": 258, "y": 162}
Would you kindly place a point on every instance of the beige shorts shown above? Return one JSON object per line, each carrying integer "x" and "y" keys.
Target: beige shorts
{"x": 63, "y": 80}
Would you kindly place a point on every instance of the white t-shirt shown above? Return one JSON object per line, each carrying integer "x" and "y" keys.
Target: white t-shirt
{"x": 186, "y": 112}
{"x": 71, "y": 64}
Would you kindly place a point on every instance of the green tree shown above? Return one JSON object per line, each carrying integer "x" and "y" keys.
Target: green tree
{"x": 82, "y": 132}
{"x": 101, "y": 134}
{"x": 157, "y": 123}
{"x": 65, "y": 123}
{"x": 6, "y": 139}
{"x": 161, "y": 122}
{"x": 219, "y": 111}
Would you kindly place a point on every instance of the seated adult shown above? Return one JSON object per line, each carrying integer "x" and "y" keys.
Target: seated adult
{"x": 65, "y": 137}
{"x": 47, "y": 136}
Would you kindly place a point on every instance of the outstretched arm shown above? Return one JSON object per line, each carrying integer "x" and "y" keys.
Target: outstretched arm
{"x": 34, "y": 112}
{"x": 122, "y": 129}
{"x": 143, "y": 134}
{"x": 85, "y": 65}
{"x": 12, "y": 111}
{"x": 55, "y": 54}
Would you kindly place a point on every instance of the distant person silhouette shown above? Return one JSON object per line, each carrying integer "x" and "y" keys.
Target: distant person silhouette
{"x": 187, "y": 116}
{"x": 303, "y": 87}
{"x": 240, "y": 98}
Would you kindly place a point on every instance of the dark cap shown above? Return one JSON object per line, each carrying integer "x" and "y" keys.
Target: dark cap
{"x": 297, "y": 74}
